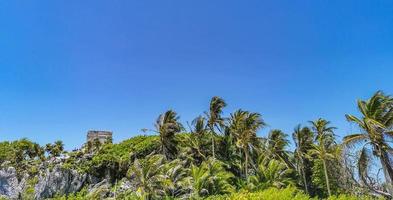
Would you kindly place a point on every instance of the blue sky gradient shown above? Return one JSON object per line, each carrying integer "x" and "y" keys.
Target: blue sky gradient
{"x": 70, "y": 66}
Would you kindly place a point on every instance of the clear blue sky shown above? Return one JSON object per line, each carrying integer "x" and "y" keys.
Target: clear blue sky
{"x": 70, "y": 66}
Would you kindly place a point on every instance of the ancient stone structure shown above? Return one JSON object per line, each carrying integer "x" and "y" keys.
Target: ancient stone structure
{"x": 102, "y": 136}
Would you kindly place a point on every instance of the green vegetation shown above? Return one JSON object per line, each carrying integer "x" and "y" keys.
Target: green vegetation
{"x": 223, "y": 157}
{"x": 21, "y": 154}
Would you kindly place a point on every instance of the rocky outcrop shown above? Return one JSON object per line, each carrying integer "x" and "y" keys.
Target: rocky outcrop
{"x": 101, "y": 190}
{"x": 10, "y": 186}
{"x": 59, "y": 181}
{"x": 125, "y": 185}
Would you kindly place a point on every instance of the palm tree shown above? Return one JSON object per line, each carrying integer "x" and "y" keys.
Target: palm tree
{"x": 303, "y": 138}
{"x": 148, "y": 177}
{"x": 244, "y": 126}
{"x": 215, "y": 120}
{"x": 275, "y": 145}
{"x": 270, "y": 173}
{"x": 195, "y": 144}
{"x": 199, "y": 126}
{"x": 219, "y": 178}
{"x": 168, "y": 125}
{"x": 55, "y": 149}
{"x": 175, "y": 179}
{"x": 198, "y": 177}
{"x": 324, "y": 137}
{"x": 376, "y": 124}
{"x": 209, "y": 178}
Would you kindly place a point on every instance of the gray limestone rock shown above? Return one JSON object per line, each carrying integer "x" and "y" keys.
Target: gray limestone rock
{"x": 10, "y": 186}
{"x": 58, "y": 181}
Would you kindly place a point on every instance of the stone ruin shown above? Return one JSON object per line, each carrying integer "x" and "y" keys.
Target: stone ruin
{"x": 102, "y": 136}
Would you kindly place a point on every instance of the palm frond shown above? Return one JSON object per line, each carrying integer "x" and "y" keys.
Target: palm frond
{"x": 355, "y": 139}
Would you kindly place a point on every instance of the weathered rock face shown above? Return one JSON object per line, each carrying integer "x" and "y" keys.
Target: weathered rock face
{"x": 59, "y": 181}
{"x": 10, "y": 186}
{"x": 100, "y": 190}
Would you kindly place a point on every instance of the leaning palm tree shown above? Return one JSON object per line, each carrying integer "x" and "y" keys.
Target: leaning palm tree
{"x": 376, "y": 124}
{"x": 215, "y": 120}
{"x": 303, "y": 138}
{"x": 244, "y": 126}
{"x": 168, "y": 126}
{"x": 324, "y": 136}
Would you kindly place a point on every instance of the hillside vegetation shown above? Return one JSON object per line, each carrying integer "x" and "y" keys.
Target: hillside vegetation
{"x": 215, "y": 157}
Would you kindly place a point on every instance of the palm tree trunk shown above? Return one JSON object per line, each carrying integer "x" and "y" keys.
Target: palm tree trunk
{"x": 214, "y": 156}
{"x": 246, "y": 163}
{"x": 304, "y": 178}
{"x": 211, "y": 127}
{"x": 388, "y": 171}
{"x": 326, "y": 177}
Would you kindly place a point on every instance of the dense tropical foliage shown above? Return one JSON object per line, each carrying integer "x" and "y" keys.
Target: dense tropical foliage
{"x": 221, "y": 156}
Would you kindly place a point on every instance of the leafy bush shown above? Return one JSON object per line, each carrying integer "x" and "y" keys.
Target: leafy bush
{"x": 116, "y": 158}
{"x": 81, "y": 195}
{"x": 138, "y": 146}
{"x": 348, "y": 197}
{"x": 289, "y": 193}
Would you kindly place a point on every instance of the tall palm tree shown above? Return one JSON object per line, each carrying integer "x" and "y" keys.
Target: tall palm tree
{"x": 324, "y": 136}
{"x": 244, "y": 126}
{"x": 303, "y": 138}
{"x": 215, "y": 120}
{"x": 376, "y": 124}
{"x": 168, "y": 125}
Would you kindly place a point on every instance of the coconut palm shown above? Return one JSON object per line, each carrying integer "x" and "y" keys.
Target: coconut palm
{"x": 148, "y": 177}
{"x": 376, "y": 124}
{"x": 244, "y": 126}
{"x": 324, "y": 136}
{"x": 303, "y": 138}
{"x": 276, "y": 144}
{"x": 199, "y": 126}
{"x": 210, "y": 178}
{"x": 219, "y": 178}
{"x": 168, "y": 125}
{"x": 55, "y": 149}
{"x": 198, "y": 179}
{"x": 174, "y": 179}
{"x": 195, "y": 144}
{"x": 270, "y": 173}
{"x": 215, "y": 120}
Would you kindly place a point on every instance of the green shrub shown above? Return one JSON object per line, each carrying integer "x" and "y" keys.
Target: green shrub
{"x": 28, "y": 193}
{"x": 348, "y": 197}
{"x": 81, "y": 195}
{"x": 117, "y": 157}
{"x": 289, "y": 193}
